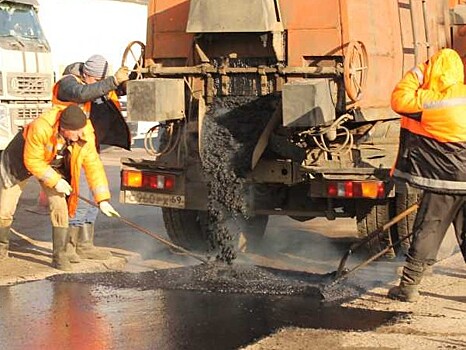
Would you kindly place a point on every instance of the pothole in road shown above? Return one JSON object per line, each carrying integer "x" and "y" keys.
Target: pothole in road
{"x": 218, "y": 277}
{"x": 198, "y": 307}
{"x": 258, "y": 300}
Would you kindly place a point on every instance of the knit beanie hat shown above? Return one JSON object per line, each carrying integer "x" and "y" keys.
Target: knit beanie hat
{"x": 96, "y": 66}
{"x": 72, "y": 118}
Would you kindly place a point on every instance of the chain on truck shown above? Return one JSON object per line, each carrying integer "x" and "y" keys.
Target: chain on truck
{"x": 330, "y": 68}
{"x": 26, "y": 74}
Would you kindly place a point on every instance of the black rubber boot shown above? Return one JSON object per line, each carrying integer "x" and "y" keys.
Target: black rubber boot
{"x": 405, "y": 293}
{"x": 86, "y": 249}
{"x": 408, "y": 290}
{"x": 60, "y": 239}
{"x": 4, "y": 242}
{"x": 73, "y": 232}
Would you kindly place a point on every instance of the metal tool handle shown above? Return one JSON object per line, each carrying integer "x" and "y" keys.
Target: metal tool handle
{"x": 370, "y": 236}
{"x": 152, "y": 234}
{"x": 345, "y": 275}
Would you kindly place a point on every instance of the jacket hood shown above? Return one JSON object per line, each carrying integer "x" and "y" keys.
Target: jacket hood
{"x": 75, "y": 68}
{"x": 444, "y": 69}
{"x": 51, "y": 116}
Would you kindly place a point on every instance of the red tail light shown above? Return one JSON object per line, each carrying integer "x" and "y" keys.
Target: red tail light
{"x": 146, "y": 180}
{"x": 356, "y": 189}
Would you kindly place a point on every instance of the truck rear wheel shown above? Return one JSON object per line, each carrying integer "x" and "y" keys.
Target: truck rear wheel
{"x": 449, "y": 245}
{"x": 371, "y": 215}
{"x": 404, "y": 227}
{"x": 252, "y": 231}
{"x": 187, "y": 228}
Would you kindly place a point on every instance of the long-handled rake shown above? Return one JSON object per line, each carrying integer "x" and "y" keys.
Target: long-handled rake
{"x": 153, "y": 235}
{"x": 341, "y": 273}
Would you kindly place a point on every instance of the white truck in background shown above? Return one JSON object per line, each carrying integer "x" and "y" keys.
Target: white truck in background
{"x": 26, "y": 71}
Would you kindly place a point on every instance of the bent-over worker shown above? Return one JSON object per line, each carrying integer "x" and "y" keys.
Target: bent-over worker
{"x": 53, "y": 148}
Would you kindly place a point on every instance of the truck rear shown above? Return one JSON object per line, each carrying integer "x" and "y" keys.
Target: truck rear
{"x": 26, "y": 75}
{"x": 277, "y": 107}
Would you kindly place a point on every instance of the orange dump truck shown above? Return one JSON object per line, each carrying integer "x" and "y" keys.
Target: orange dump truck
{"x": 323, "y": 72}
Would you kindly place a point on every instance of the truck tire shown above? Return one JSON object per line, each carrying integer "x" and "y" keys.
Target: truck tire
{"x": 251, "y": 232}
{"x": 301, "y": 218}
{"x": 187, "y": 228}
{"x": 371, "y": 215}
{"x": 404, "y": 227}
{"x": 449, "y": 245}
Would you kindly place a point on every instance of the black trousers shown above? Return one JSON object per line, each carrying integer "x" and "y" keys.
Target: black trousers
{"x": 435, "y": 214}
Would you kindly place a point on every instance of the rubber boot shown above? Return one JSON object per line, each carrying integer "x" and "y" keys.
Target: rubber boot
{"x": 428, "y": 270}
{"x": 60, "y": 239}
{"x": 73, "y": 232}
{"x": 408, "y": 289}
{"x": 86, "y": 249}
{"x": 4, "y": 242}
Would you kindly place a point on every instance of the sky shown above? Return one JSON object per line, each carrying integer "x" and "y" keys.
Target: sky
{"x": 78, "y": 29}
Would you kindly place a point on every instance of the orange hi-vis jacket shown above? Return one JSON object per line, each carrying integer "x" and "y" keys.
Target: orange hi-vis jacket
{"x": 40, "y": 148}
{"x": 431, "y": 100}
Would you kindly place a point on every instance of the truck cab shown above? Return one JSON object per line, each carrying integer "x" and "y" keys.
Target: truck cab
{"x": 26, "y": 75}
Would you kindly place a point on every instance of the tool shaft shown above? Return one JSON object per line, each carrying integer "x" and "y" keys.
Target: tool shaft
{"x": 152, "y": 234}
{"x": 340, "y": 271}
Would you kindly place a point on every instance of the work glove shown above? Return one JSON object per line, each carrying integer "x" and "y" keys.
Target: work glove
{"x": 64, "y": 187}
{"x": 107, "y": 209}
{"x": 121, "y": 75}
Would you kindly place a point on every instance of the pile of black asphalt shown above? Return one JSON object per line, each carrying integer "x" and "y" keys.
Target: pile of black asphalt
{"x": 220, "y": 277}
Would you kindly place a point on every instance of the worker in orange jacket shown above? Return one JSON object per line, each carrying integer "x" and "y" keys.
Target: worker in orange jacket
{"x": 431, "y": 100}
{"x": 87, "y": 85}
{"x": 53, "y": 148}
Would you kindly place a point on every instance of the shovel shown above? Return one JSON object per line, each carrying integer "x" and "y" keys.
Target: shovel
{"x": 153, "y": 235}
{"x": 343, "y": 273}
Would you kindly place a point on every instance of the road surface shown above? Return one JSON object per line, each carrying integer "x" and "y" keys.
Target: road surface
{"x": 437, "y": 321}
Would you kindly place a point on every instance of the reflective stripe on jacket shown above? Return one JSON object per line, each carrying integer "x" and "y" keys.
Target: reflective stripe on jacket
{"x": 431, "y": 100}
{"x": 41, "y": 148}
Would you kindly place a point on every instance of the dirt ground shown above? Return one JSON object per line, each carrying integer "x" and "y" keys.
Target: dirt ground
{"x": 437, "y": 321}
